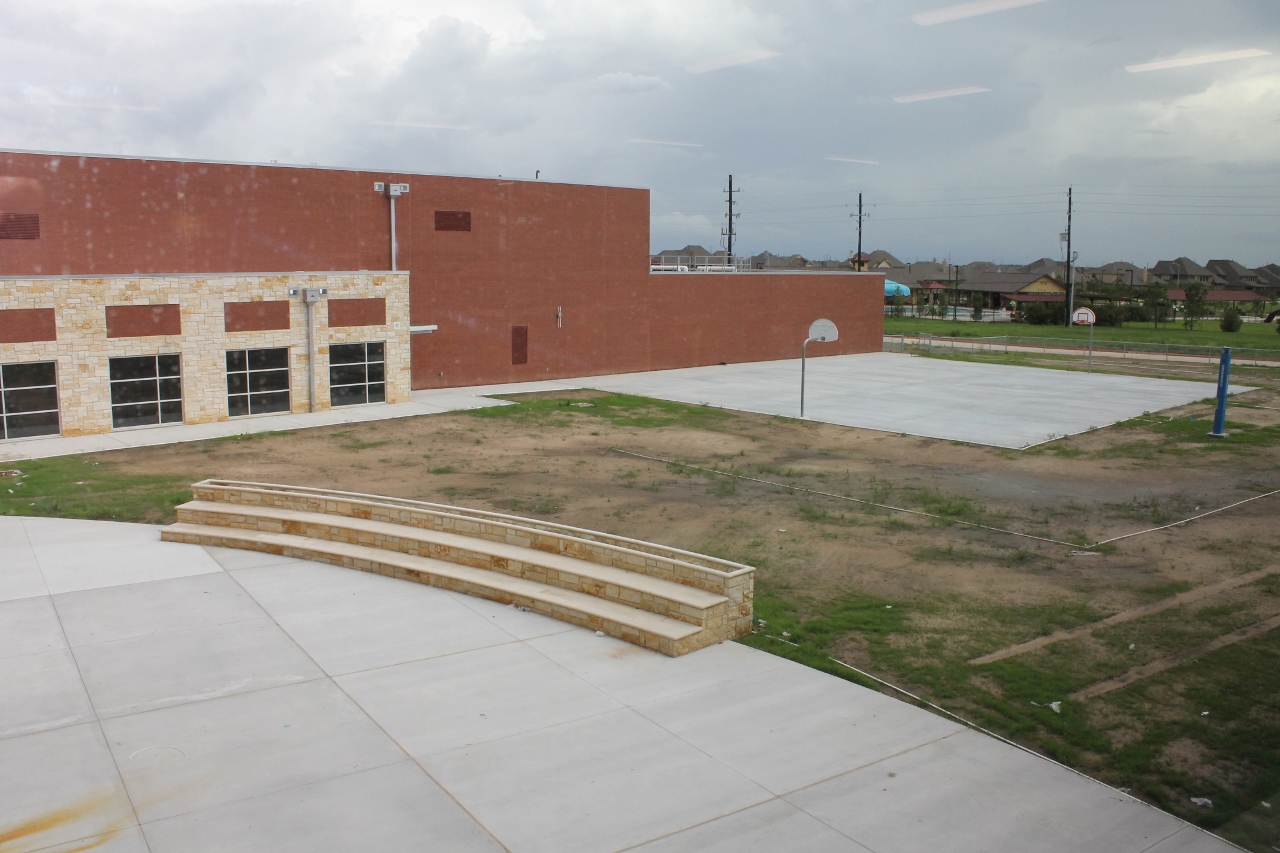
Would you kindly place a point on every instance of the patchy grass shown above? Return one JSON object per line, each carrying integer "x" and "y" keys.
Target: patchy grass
{"x": 1251, "y": 336}
{"x": 623, "y": 410}
{"x": 85, "y": 487}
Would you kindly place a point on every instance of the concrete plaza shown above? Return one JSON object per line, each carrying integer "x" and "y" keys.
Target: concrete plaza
{"x": 993, "y": 404}
{"x": 167, "y": 698}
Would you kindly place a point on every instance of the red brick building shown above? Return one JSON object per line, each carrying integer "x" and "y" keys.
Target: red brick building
{"x": 523, "y": 280}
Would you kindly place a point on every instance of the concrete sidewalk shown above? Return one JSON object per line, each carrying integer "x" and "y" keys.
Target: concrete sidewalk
{"x": 167, "y": 698}
{"x": 993, "y": 404}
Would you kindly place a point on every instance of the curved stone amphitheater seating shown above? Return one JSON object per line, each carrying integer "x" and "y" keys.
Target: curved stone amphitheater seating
{"x": 662, "y": 598}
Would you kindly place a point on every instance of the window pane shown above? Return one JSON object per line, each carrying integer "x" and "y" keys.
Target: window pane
{"x": 377, "y": 372}
{"x": 346, "y": 353}
{"x": 269, "y": 380}
{"x": 237, "y": 383}
{"x": 235, "y": 360}
{"x": 170, "y": 389}
{"x": 30, "y": 400}
{"x": 377, "y": 393}
{"x": 347, "y": 374}
{"x": 171, "y": 412}
{"x": 277, "y": 401}
{"x": 347, "y": 396}
{"x": 266, "y": 359}
{"x": 21, "y": 426}
{"x": 138, "y": 415}
{"x": 133, "y": 368}
{"x": 141, "y": 391}
{"x": 170, "y": 365}
{"x": 238, "y": 404}
{"x": 375, "y": 351}
{"x": 27, "y": 375}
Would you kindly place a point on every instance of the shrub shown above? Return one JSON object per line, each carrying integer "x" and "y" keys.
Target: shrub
{"x": 1231, "y": 321}
{"x": 1043, "y": 313}
{"x": 976, "y": 314}
{"x": 1136, "y": 314}
{"x": 1111, "y": 315}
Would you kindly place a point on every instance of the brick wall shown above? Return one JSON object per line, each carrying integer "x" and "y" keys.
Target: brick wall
{"x": 82, "y": 348}
{"x": 569, "y": 262}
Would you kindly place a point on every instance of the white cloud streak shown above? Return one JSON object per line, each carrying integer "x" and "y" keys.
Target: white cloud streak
{"x": 854, "y": 160}
{"x": 941, "y": 93}
{"x": 744, "y": 57}
{"x": 422, "y": 125}
{"x": 1202, "y": 59}
{"x": 968, "y": 10}
{"x": 666, "y": 142}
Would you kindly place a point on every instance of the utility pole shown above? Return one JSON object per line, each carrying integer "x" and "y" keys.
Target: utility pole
{"x": 860, "y": 267}
{"x": 730, "y": 232}
{"x": 1070, "y": 279}
{"x": 857, "y": 262}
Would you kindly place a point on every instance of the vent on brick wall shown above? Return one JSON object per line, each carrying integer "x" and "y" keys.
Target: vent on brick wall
{"x": 22, "y": 226}
{"x": 453, "y": 220}
{"x": 519, "y": 344}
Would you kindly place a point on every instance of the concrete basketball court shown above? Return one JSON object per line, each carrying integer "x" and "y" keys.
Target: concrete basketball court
{"x": 167, "y": 698}
{"x": 994, "y": 404}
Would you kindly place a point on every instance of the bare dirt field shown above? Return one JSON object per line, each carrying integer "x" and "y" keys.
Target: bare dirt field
{"x": 911, "y": 597}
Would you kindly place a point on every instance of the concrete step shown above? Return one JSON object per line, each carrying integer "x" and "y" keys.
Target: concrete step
{"x": 644, "y": 592}
{"x": 734, "y": 581}
{"x": 651, "y": 630}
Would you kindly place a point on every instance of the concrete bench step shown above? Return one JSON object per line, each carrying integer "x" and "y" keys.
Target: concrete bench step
{"x": 651, "y": 630}
{"x": 652, "y": 594}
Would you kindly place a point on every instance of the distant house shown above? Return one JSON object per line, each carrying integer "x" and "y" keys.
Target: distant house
{"x": 1116, "y": 272}
{"x": 1185, "y": 271}
{"x": 1269, "y": 277}
{"x": 770, "y": 261}
{"x": 1045, "y": 266}
{"x": 1240, "y": 277}
{"x": 998, "y": 289}
{"x": 672, "y": 257}
{"x": 880, "y": 260}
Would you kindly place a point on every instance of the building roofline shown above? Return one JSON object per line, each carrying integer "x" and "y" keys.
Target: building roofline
{"x": 797, "y": 271}
{"x": 410, "y": 173}
{"x": 276, "y": 273}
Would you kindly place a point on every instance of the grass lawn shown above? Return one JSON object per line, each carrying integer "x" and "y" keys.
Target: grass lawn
{"x": 1207, "y": 333}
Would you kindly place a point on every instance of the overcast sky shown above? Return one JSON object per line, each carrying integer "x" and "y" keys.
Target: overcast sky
{"x": 805, "y": 103}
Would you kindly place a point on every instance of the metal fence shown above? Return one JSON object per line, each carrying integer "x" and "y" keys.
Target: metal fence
{"x": 698, "y": 263}
{"x": 989, "y": 315}
{"x": 1074, "y": 346}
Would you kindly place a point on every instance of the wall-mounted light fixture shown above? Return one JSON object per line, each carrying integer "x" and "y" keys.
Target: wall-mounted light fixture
{"x": 394, "y": 191}
{"x": 310, "y": 296}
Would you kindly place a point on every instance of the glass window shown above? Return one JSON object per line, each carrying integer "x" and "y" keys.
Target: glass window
{"x": 257, "y": 381}
{"x": 146, "y": 390}
{"x": 28, "y": 400}
{"x": 357, "y": 373}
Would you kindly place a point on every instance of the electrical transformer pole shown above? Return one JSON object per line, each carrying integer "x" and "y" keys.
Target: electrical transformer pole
{"x": 1070, "y": 279}
{"x": 729, "y": 231}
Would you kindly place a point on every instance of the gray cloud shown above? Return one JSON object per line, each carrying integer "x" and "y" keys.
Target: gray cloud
{"x": 797, "y": 106}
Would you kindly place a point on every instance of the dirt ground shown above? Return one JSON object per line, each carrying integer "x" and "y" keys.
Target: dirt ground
{"x": 909, "y": 597}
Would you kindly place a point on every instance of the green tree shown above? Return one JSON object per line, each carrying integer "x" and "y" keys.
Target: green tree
{"x": 1155, "y": 298}
{"x": 1231, "y": 320}
{"x": 1194, "y": 306}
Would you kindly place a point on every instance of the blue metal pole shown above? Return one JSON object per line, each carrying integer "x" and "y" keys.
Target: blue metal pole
{"x": 1224, "y": 380}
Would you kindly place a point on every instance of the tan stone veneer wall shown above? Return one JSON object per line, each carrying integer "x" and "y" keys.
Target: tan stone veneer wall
{"x": 82, "y": 349}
